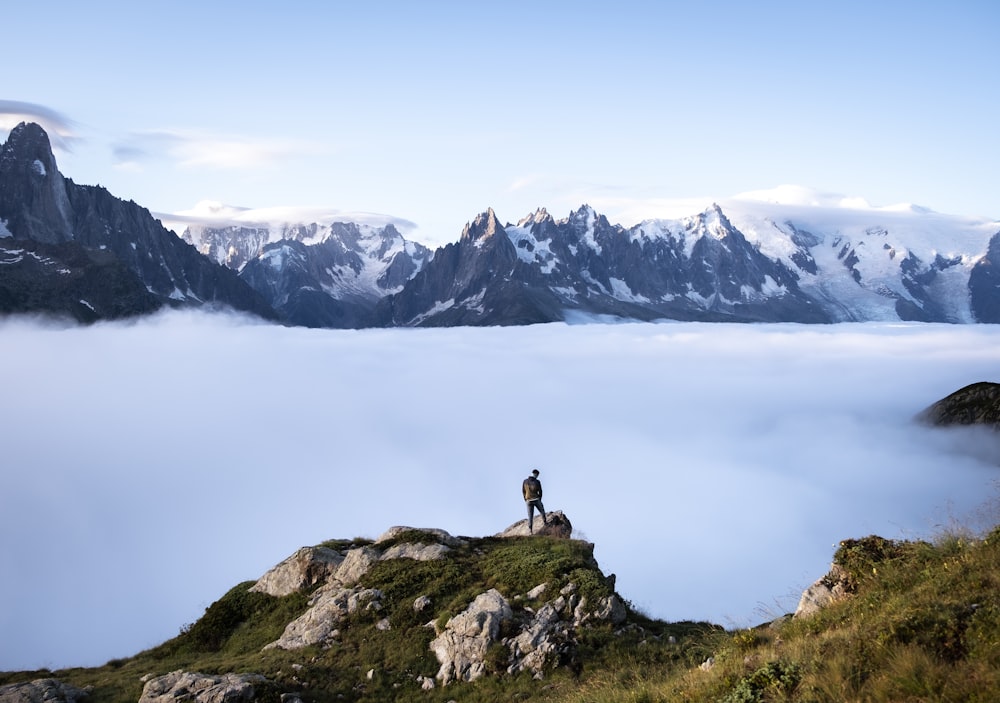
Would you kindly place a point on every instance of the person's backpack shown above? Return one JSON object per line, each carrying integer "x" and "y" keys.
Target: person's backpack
{"x": 532, "y": 488}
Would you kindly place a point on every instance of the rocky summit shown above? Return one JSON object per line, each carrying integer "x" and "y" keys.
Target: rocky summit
{"x": 417, "y": 606}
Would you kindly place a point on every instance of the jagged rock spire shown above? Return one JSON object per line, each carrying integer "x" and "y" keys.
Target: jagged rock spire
{"x": 483, "y": 227}
{"x": 33, "y": 197}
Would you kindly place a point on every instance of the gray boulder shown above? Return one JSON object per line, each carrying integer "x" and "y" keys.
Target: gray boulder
{"x": 441, "y": 536}
{"x": 558, "y": 526}
{"x": 327, "y": 610}
{"x": 356, "y": 564}
{"x": 41, "y": 691}
{"x": 417, "y": 552}
{"x": 179, "y": 686}
{"x": 541, "y": 637}
{"x": 826, "y": 590}
{"x": 461, "y": 647}
{"x": 307, "y": 567}
{"x": 549, "y": 634}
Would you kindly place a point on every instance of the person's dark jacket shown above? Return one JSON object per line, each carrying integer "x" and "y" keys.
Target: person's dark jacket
{"x": 532, "y": 488}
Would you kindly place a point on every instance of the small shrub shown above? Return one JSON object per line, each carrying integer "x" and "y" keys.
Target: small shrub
{"x": 778, "y": 677}
{"x": 222, "y": 618}
{"x": 861, "y": 558}
{"x": 343, "y": 545}
{"x": 497, "y": 658}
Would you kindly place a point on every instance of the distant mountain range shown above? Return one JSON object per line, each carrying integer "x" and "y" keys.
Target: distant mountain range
{"x": 78, "y": 251}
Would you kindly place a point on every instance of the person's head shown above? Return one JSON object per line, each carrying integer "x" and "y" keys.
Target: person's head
{"x": 535, "y": 473}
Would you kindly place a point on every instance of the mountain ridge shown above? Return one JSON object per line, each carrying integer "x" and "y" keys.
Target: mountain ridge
{"x": 737, "y": 260}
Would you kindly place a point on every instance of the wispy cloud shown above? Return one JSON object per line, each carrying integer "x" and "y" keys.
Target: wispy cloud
{"x": 190, "y": 149}
{"x": 210, "y": 213}
{"x": 58, "y": 126}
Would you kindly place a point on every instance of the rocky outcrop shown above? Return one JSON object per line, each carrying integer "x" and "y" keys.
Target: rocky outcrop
{"x": 339, "y": 596}
{"x": 830, "y": 588}
{"x": 183, "y": 686}
{"x": 307, "y": 567}
{"x": 462, "y": 646}
{"x": 41, "y": 691}
{"x": 558, "y": 526}
{"x": 495, "y": 633}
{"x": 491, "y": 632}
{"x": 975, "y": 404}
{"x": 327, "y": 609}
{"x": 355, "y": 565}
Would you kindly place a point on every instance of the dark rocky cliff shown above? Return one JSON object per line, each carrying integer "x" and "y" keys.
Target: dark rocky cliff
{"x": 86, "y": 228}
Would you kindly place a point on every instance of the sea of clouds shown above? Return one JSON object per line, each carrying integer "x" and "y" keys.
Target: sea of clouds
{"x": 150, "y": 467}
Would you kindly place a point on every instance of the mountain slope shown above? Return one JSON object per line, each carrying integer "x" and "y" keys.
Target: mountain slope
{"x": 335, "y": 277}
{"x": 862, "y": 263}
{"x": 37, "y": 204}
{"x": 419, "y": 615}
{"x": 741, "y": 261}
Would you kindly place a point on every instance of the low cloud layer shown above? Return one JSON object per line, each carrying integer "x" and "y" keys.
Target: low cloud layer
{"x": 152, "y": 466}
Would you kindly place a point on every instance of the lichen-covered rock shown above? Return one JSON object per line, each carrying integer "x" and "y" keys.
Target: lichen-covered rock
{"x": 179, "y": 686}
{"x": 41, "y": 691}
{"x": 461, "y": 647}
{"x": 307, "y": 567}
{"x": 327, "y": 609}
{"x": 417, "y": 552}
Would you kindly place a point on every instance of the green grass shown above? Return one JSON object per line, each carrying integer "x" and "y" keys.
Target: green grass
{"x": 922, "y": 624}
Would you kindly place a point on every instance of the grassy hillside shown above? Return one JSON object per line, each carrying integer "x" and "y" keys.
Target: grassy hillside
{"x": 921, "y": 623}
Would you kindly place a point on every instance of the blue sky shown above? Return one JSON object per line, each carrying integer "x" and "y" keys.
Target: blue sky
{"x": 429, "y": 113}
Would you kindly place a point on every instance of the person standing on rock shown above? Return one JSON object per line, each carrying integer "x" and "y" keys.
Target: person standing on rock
{"x": 532, "y": 491}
